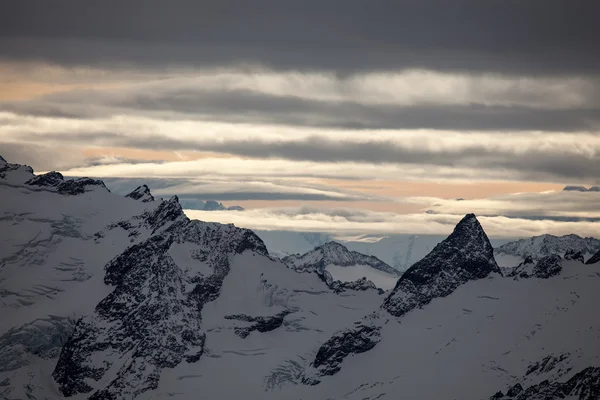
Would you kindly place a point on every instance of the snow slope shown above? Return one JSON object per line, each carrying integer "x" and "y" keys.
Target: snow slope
{"x": 104, "y": 296}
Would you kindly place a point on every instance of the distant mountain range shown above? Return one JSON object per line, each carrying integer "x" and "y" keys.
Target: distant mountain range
{"x": 104, "y": 296}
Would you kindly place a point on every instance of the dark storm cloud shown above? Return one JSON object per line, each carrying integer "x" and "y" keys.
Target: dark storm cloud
{"x": 531, "y": 164}
{"x": 512, "y": 36}
{"x": 245, "y": 106}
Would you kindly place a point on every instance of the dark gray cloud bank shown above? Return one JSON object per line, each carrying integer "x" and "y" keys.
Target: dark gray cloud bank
{"x": 508, "y": 36}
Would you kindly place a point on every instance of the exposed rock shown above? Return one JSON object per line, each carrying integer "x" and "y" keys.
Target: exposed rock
{"x": 524, "y": 269}
{"x": 584, "y": 385}
{"x": 572, "y": 255}
{"x": 358, "y": 339}
{"x": 78, "y": 186}
{"x": 515, "y": 390}
{"x": 151, "y": 320}
{"x": 141, "y": 193}
{"x": 361, "y": 284}
{"x": 548, "y": 267}
{"x": 260, "y": 324}
{"x": 594, "y": 259}
{"x": 465, "y": 255}
{"x": 51, "y": 179}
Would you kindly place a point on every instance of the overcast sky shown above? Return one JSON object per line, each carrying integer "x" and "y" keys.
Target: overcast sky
{"x": 317, "y": 115}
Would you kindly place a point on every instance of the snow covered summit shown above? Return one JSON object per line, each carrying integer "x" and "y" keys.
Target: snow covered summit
{"x": 105, "y": 297}
{"x": 542, "y": 246}
{"x": 343, "y": 265}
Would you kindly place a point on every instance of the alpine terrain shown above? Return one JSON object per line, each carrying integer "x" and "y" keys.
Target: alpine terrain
{"x": 123, "y": 297}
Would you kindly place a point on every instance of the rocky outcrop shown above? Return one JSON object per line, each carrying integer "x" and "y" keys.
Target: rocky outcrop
{"x": 524, "y": 269}
{"x": 548, "y": 267}
{"x": 464, "y": 256}
{"x": 51, "y": 179}
{"x": 260, "y": 324}
{"x": 573, "y": 255}
{"x": 74, "y": 187}
{"x": 152, "y": 318}
{"x": 141, "y": 193}
{"x": 585, "y": 385}
{"x": 594, "y": 259}
{"x": 362, "y": 337}
{"x": 545, "y": 268}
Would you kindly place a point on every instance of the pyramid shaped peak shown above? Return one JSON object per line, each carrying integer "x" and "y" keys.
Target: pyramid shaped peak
{"x": 465, "y": 255}
{"x": 141, "y": 193}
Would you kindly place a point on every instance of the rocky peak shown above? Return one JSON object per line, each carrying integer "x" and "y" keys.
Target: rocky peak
{"x": 167, "y": 211}
{"x": 463, "y": 256}
{"x": 51, "y": 179}
{"x": 334, "y": 253}
{"x": 153, "y": 314}
{"x": 594, "y": 259}
{"x": 79, "y": 186}
{"x": 572, "y": 255}
{"x": 141, "y": 193}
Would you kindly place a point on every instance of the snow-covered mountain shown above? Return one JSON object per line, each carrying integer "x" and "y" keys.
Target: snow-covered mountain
{"x": 398, "y": 251}
{"x": 542, "y": 246}
{"x": 208, "y": 205}
{"x": 108, "y": 297}
{"x": 334, "y": 262}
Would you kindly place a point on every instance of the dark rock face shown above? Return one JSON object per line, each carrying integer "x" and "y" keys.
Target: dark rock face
{"x": 572, "y": 255}
{"x": 515, "y": 390}
{"x": 152, "y": 318}
{"x": 167, "y": 211}
{"x": 465, "y": 255}
{"x": 260, "y": 324}
{"x": 594, "y": 259}
{"x": 141, "y": 193}
{"x": 51, "y": 179}
{"x": 358, "y": 339}
{"x": 548, "y": 267}
{"x": 361, "y": 284}
{"x": 522, "y": 269}
{"x": 77, "y": 186}
{"x": 584, "y": 385}
{"x": 547, "y": 364}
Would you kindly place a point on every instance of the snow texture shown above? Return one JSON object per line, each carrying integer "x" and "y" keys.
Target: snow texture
{"x": 108, "y": 298}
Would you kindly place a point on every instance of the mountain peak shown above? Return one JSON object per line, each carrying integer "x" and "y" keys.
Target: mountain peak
{"x": 465, "y": 255}
{"x": 141, "y": 193}
{"x": 541, "y": 246}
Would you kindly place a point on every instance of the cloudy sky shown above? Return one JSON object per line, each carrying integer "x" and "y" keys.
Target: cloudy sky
{"x": 349, "y": 116}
